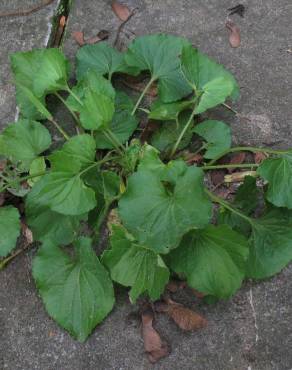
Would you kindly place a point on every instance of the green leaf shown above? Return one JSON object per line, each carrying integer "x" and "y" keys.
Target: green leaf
{"x": 51, "y": 68}
{"x": 158, "y": 207}
{"x": 168, "y": 111}
{"x": 123, "y": 123}
{"x": 77, "y": 292}
{"x": 9, "y": 229}
{"x": 63, "y": 192}
{"x": 213, "y": 260}
{"x": 97, "y": 111}
{"x": 50, "y": 226}
{"x": 77, "y": 154}
{"x": 210, "y": 81}
{"x": 159, "y": 54}
{"x": 217, "y": 135}
{"x": 278, "y": 172}
{"x": 23, "y": 141}
{"x": 101, "y": 58}
{"x": 136, "y": 266}
{"x": 165, "y": 137}
{"x": 90, "y": 81}
{"x": 38, "y": 165}
{"x": 270, "y": 245}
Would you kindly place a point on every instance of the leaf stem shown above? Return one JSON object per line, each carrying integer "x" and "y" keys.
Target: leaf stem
{"x": 249, "y": 149}
{"x": 220, "y": 166}
{"x": 227, "y": 205}
{"x": 74, "y": 95}
{"x": 147, "y": 87}
{"x": 4, "y": 262}
{"x": 74, "y": 115}
{"x": 21, "y": 179}
{"x": 95, "y": 164}
{"x": 176, "y": 145}
{"x": 59, "y": 128}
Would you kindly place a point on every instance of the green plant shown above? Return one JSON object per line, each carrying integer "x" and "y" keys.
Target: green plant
{"x": 165, "y": 210}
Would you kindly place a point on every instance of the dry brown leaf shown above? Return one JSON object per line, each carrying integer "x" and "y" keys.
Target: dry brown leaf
{"x": 27, "y": 233}
{"x": 259, "y": 157}
{"x": 102, "y": 35}
{"x": 237, "y": 158}
{"x": 194, "y": 158}
{"x": 184, "y": 317}
{"x": 234, "y": 36}
{"x": 78, "y": 36}
{"x": 155, "y": 347}
{"x": 239, "y": 176}
{"x": 121, "y": 10}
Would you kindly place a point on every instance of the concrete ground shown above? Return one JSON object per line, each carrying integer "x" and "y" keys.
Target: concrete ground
{"x": 253, "y": 330}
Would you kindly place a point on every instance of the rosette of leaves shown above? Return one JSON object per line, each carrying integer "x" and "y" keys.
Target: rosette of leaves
{"x": 164, "y": 222}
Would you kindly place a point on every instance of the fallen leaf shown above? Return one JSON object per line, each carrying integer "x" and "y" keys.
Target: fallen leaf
{"x": 259, "y": 157}
{"x": 237, "y": 158}
{"x": 102, "y": 35}
{"x": 217, "y": 177}
{"x": 234, "y": 36}
{"x": 26, "y": 233}
{"x": 184, "y": 317}
{"x": 194, "y": 158}
{"x": 121, "y": 10}
{"x": 239, "y": 176}
{"x": 154, "y": 346}
{"x": 78, "y": 36}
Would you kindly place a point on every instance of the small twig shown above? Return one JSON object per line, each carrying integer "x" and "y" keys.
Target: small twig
{"x": 21, "y": 12}
{"x": 122, "y": 25}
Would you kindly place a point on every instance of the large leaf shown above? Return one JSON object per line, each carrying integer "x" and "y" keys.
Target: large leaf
{"x": 123, "y": 123}
{"x": 101, "y": 58}
{"x": 51, "y": 226}
{"x": 213, "y": 260}
{"x": 158, "y": 207}
{"x": 136, "y": 266}
{"x": 9, "y": 229}
{"x": 166, "y": 136}
{"x": 51, "y": 68}
{"x": 210, "y": 81}
{"x": 90, "y": 81}
{"x": 278, "y": 173}
{"x": 217, "y": 135}
{"x": 97, "y": 111}
{"x": 23, "y": 141}
{"x": 270, "y": 245}
{"x": 63, "y": 192}
{"x": 76, "y": 154}
{"x": 159, "y": 54}
{"x": 77, "y": 292}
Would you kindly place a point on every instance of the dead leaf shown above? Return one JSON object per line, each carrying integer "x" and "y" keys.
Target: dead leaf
{"x": 237, "y": 158}
{"x": 155, "y": 347}
{"x": 217, "y": 177}
{"x": 121, "y": 10}
{"x": 239, "y": 176}
{"x": 102, "y": 35}
{"x": 194, "y": 158}
{"x": 259, "y": 157}
{"x": 26, "y": 233}
{"x": 234, "y": 36}
{"x": 184, "y": 317}
{"x": 78, "y": 36}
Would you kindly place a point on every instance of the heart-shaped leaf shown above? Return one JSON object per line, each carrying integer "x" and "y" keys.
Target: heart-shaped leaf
{"x": 212, "y": 259}
{"x": 136, "y": 266}
{"x": 278, "y": 172}
{"x": 103, "y": 59}
{"x": 77, "y": 292}
{"x": 217, "y": 135}
{"x": 159, "y": 54}
{"x": 210, "y": 81}
{"x": 23, "y": 141}
{"x": 9, "y": 229}
{"x": 158, "y": 207}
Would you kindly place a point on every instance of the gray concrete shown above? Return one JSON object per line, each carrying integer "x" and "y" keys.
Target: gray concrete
{"x": 19, "y": 33}
{"x": 253, "y": 330}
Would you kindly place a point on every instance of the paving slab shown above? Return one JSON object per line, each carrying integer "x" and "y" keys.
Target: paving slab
{"x": 19, "y": 33}
{"x": 253, "y": 330}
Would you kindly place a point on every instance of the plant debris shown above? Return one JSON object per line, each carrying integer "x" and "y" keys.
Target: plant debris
{"x": 121, "y": 10}
{"x": 234, "y": 36}
{"x": 238, "y": 9}
{"x": 155, "y": 347}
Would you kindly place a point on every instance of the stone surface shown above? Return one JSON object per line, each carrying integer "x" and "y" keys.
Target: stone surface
{"x": 253, "y": 330}
{"x": 19, "y": 33}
